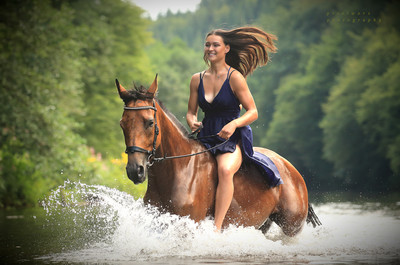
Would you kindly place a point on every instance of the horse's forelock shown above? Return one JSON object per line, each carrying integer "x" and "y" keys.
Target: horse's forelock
{"x": 138, "y": 93}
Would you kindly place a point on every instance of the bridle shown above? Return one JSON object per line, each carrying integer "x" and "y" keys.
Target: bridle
{"x": 136, "y": 149}
{"x": 151, "y": 153}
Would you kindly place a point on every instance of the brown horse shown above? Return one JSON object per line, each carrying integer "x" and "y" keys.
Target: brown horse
{"x": 186, "y": 185}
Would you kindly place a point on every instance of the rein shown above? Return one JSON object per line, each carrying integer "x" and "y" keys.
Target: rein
{"x": 151, "y": 153}
{"x": 159, "y": 159}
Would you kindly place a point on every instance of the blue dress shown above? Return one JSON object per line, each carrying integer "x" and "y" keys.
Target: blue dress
{"x": 224, "y": 108}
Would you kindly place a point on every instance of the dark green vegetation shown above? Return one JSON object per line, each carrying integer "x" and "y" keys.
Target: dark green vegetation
{"x": 329, "y": 101}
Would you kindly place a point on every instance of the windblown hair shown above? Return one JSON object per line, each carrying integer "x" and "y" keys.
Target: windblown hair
{"x": 249, "y": 47}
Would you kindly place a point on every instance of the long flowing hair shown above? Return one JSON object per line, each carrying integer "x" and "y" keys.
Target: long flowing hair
{"x": 249, "y": 47}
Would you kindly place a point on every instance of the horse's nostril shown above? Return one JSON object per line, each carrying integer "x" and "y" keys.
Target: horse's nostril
{"x": 136, "y": 173}
{"x": 140, "y": 171}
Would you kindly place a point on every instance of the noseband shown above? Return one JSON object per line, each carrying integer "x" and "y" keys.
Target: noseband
{"x": 133, "y": 149}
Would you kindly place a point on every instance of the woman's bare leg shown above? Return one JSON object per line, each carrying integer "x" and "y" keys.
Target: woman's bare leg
{"x": 228, "y": 164}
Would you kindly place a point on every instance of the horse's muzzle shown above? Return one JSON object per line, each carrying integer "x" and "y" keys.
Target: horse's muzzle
{"x": 136, "y": 172}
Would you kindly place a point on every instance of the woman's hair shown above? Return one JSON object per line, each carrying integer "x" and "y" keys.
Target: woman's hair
{"x": 249, "y": 47}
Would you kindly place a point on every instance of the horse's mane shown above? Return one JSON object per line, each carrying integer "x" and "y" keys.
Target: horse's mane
{"x": 174, "y": 120}
{"x": 140, "y": 93}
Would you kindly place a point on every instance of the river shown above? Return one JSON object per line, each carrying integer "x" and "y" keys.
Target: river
{"x": 80, "y": 224}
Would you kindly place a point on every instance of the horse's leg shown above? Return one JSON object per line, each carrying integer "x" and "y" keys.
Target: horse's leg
{"x": 290, "y": 223}
{"x": 265, "y": 227}
{"x": 293, "y": 204}
{"x": 292, "y": 208}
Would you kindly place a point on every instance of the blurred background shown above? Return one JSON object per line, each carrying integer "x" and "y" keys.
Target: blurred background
{"x": 329, "y": 100}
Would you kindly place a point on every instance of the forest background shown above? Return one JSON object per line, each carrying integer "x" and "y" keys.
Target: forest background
{"x": 329, "y": 100}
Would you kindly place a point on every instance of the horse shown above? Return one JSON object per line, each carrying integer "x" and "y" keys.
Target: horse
{"x": 182, "y": 173}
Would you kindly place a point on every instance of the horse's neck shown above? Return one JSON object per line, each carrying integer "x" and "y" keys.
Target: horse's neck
{"x": 173, "y": 140}
{"x": 167, "y": 173}
{"x": 172, "y": 183}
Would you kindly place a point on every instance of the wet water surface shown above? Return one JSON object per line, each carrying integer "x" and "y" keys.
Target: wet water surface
{"x": 93, "y": 224}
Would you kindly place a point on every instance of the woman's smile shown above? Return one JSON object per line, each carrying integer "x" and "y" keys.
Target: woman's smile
{"x": 214, "y": 47}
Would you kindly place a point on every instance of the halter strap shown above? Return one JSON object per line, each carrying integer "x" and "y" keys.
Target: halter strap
{"x": 140, "y": 108}
{"x": 137, "y": 149}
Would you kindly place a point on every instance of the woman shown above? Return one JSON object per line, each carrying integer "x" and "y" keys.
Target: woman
{"x": 220, "y": 91}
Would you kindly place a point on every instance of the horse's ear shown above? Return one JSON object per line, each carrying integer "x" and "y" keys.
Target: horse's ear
{"x": 153, "y": 88}
{"x": 121, "y": 90}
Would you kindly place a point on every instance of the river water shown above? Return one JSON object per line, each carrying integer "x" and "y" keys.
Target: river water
{"x": 80, "y": 224}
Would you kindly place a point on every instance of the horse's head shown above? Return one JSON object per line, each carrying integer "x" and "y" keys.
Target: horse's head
{"x": 139, "y": 124}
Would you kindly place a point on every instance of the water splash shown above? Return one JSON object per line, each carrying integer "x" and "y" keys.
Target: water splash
{"x": 107, "y": 225}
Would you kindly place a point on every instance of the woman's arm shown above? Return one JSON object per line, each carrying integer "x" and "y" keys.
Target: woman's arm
{"x": 193, "y": 105}
{"x": 241, "y": 90}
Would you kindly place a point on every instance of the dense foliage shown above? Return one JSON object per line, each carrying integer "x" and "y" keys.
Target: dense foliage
{"x": 329, "y": 100}
{"x": 58, "y": 63}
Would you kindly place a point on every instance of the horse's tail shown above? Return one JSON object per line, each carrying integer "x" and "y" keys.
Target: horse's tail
{"x": 312, "y": 217}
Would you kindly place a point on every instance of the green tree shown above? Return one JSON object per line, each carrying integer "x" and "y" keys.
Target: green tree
{"x": 40, "y": 68}
{"x": 294, "y": 129}
{"x": 113, "y": 37}
{"x": 378, "y": 114}
{"x": 58, "y": 63}
{"x": 361, "y": 116}
{"x": 303, "y": 80}
{"x": 176, "y": 63}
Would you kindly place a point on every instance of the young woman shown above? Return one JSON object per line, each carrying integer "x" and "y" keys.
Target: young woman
{"x": 221, "y": 91}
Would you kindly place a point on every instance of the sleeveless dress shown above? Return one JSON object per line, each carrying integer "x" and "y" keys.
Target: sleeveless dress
{"x": 224, "y": 108}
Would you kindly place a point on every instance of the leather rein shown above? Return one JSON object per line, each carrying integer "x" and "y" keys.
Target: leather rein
{"x": 151, "y": 153}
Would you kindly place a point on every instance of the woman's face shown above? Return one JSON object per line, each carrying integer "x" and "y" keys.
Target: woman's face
{"x": 215, "y": 48}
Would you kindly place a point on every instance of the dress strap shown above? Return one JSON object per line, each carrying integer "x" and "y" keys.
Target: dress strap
{"x": 227, "y": 74}
{"x": 201, "y": 76}
{"x": 230, "y": 74}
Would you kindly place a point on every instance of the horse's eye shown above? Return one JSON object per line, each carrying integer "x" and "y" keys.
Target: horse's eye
{"x": 149, "y": 123}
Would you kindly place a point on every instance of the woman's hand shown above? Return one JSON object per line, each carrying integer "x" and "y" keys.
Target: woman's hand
{"x": 196, "y": 125}
{"x": 228, "y": 130}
